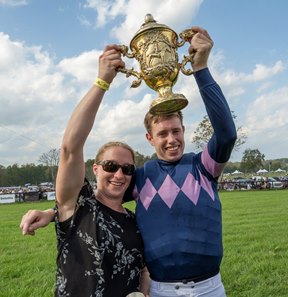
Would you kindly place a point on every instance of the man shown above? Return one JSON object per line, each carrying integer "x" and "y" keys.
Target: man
{"x": 178, "y": 209}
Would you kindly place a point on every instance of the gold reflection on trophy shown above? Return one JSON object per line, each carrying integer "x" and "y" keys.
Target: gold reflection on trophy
{"x": 155, "y": 46}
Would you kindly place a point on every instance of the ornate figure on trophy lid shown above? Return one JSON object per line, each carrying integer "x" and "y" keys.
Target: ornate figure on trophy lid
{"x": 155, "y": 46}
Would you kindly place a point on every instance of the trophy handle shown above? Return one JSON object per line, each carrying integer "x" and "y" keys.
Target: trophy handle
{"x": 186, "y": 36}
{"x": 129, "y": 72}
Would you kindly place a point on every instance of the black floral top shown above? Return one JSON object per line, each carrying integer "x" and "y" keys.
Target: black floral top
{"x": 100, "y": 251}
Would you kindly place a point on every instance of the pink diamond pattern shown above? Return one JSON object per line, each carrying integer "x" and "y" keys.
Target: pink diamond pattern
{"x": 168, "y": 191}
{"x": 135, "y": 193}
{"x": 206, "y": 185}
{"x": 191, "y": 188}
{"x": 147, "y": 193}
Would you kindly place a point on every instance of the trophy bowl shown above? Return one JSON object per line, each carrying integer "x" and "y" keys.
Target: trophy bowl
{"x": 155, "y": 46}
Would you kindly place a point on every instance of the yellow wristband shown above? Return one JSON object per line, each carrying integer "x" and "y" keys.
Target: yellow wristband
{"x": 102, "y": 84}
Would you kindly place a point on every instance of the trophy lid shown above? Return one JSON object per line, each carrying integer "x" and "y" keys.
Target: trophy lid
{"x": 150, "y": 23}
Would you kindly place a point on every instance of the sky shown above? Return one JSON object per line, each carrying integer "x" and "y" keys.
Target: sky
{"x": 49, "y": 54}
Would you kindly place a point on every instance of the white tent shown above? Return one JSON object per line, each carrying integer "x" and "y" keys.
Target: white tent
{"x": 237, "y": 172}
{"x": 262, "y": 171}
{"x": 279, "y": 170}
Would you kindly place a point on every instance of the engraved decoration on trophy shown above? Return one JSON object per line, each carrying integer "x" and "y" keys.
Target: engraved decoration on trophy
{"x": 155, "y": 46}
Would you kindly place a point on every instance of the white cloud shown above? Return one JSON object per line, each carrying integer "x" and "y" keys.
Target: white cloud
{"x": 164, "y": 12}
{"x": 106, "y": 10}
{"x": 266, "y": 122}
{"x": 121, "y": 118}
{"x": 262, "y": 72}
{"x": 133, "y": 12}
{"x": 239, "y": 87}
{"x": 265, "y": 109}
{"x": 39, "y": 94}
{"x": 13, "y": 2}
{"x": 33, "y": 94}
{"x": 84, "y": 21}
{"x": 122, "y": 121}
{"x": 228, "y": 77}
{"x": 83, "y": 67}
{"x": 28, "y": 74}
{"x": 265, "y": 86}
{"x": 272, "y": 110}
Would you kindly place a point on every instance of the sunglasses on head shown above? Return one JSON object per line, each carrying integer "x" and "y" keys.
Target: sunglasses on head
{"x": 113, "y": 166}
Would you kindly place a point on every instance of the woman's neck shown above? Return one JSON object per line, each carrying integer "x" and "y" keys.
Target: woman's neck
{"x": 115, "y": 204}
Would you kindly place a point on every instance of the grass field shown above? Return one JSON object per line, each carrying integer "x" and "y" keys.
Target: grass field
{"x": 255, "y": 262}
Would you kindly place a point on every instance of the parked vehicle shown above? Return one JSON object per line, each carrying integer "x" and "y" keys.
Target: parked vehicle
{"x": 283, "y": 180}
{"x": 244, "y": 183}
{"x": 262, "y": 182}
{"x": 274, "y": 184}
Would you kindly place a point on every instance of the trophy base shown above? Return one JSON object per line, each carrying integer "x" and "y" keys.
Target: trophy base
{"x": 163, "y": 106}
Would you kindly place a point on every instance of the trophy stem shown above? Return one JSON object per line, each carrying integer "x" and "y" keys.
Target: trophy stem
{"x": 164, "y": 90}
{"x": 167, "y": 102}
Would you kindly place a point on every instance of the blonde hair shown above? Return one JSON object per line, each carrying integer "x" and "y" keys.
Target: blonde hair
{"x": 154, "y": 118}
{"x": 111, "y": 144}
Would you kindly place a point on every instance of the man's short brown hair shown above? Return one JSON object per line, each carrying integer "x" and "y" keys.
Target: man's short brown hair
{"x": 154, "y": 118}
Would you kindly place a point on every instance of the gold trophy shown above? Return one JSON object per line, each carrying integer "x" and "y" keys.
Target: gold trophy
{"x": 155, "y": 47}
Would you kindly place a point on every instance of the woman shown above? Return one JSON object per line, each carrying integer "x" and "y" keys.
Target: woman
{"x": 100, "y": 250}
{"x": 99, "y": 245}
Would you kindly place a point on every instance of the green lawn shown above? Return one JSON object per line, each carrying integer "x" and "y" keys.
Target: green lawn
{"x": 255, "y": 262}
{"x": 255, "y": 225}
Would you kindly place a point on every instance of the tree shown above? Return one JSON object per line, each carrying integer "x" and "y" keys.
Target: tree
{"x": 252, "y": 160}
{"x": 140, "y": 159}
{"x": 204, "y": 132}
{"x": 51, "y": 160}
{"x": 274, "y": 165}
{"x": 231, "y": 167}
{"x": 89, "y": 170}
{"x": 16, "y": 175}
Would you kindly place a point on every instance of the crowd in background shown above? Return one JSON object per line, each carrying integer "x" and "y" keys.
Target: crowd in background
{"x": 255, "y": 182}
{"x": 23, "y": 193}
{"x": 227, "y": 183}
